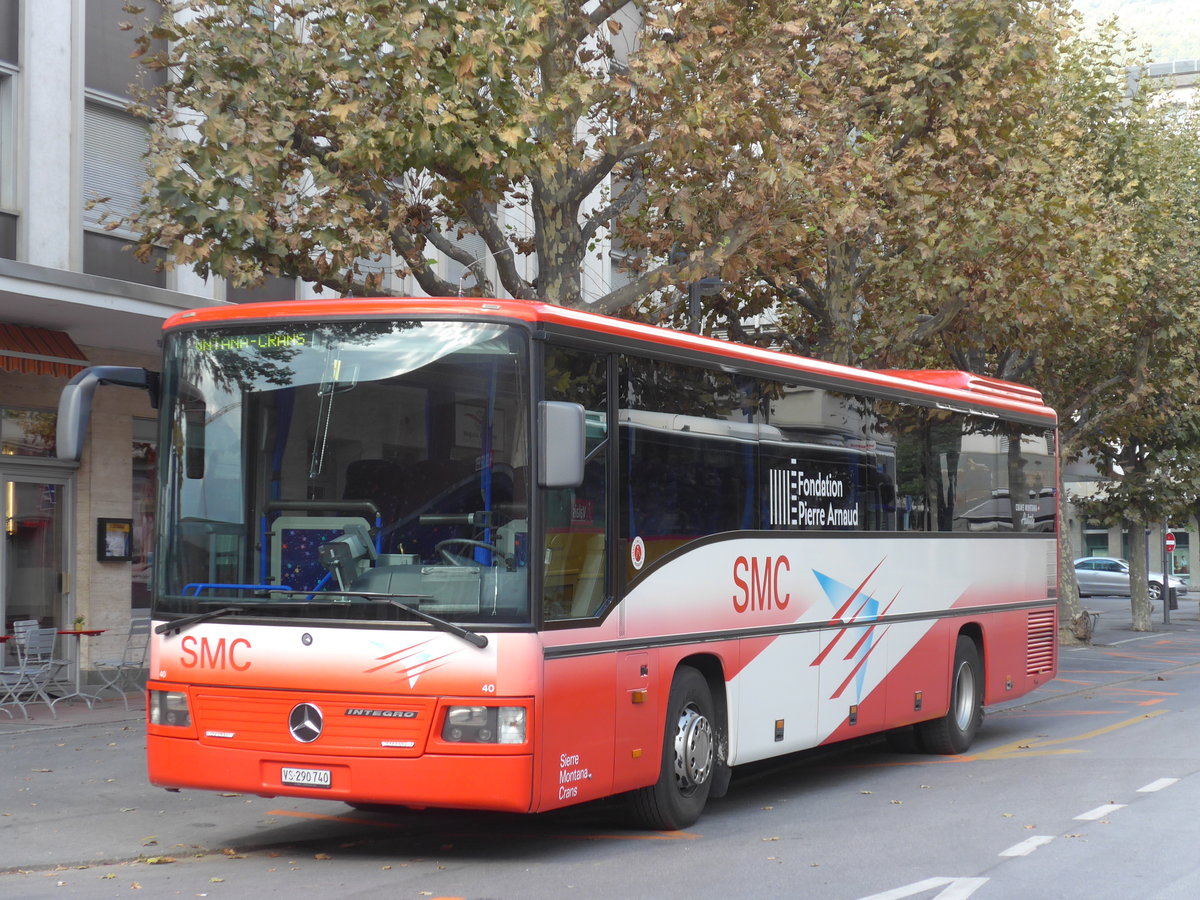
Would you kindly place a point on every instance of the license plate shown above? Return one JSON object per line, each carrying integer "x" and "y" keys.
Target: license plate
{"x": 319, "y": 778}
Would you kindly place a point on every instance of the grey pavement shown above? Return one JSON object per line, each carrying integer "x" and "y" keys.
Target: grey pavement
{"x": 73, "y": 788}
{"x": 71, "y": 714}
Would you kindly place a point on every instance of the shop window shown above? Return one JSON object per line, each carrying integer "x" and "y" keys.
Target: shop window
{"x": 27, "y": 432}
{"x": 145, "y": 463}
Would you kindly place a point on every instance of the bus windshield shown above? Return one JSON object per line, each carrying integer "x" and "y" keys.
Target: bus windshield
{"x": 346, "y": 470}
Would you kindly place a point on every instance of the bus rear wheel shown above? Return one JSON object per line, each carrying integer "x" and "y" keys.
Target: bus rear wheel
{"x": 689, "y": 757}
{"x": 954, "y": 732}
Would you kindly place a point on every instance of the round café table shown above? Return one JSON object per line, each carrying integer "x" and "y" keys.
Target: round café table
{"x": 79, "y": 634}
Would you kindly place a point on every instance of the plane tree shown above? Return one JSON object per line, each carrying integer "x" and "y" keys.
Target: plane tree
{"x": 891, "y": 183}
{"x": 903, "y": 153}
{"x": 334, "y": 141}
{"x": 1126, "y": 381}
{"x": 1117, "y": 354}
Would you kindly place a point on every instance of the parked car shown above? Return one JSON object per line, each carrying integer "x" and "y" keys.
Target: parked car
{"x": 1106, "y": 576}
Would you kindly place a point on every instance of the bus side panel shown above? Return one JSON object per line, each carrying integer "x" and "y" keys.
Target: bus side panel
{"x": 774, "y": 699}
{"x": 812, "y": 688}
{"x": 578, "y": 717}
{"x": 917, "y": 687}
{"x": 864, "y": 624}
{"x": 640, "y": 707}
{"x": 1019, "y": 652}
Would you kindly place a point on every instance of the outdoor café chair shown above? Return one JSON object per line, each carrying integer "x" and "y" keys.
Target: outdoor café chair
{"x": 125, "y": 673}
{"x": 29, "y": 680}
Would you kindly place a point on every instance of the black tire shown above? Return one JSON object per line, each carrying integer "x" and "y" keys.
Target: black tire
{"x": 954, "y": 732}
{"x": 1154, "y": 591}
{"x": 689, "y": 758}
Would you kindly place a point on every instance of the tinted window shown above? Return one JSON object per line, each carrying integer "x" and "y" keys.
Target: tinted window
{"x": 705, "y": 452}
{"x": 576, "y": 519}
{"x": 827, "y": 462}
{"x": 688, "y": 450}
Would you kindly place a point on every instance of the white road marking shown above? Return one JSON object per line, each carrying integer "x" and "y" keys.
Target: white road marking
{"x": 1157, "y": 785}
{"x": 1099, "y": 812}
{"x": 955, "y": 889}
{"x": 962, "y": 888}
{"x": 1027, "y": 846}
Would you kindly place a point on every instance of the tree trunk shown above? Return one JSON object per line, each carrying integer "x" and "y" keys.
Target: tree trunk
{"x": 558, "y": 241}
{"x": 1139, "y": 599}
{"x": 1074, "y": 626}
{"x": 840, "y": 292}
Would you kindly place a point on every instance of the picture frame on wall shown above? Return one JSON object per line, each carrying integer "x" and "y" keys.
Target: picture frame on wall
{"x": 114, "y": 540}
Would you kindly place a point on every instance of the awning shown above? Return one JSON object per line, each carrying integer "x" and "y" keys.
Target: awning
{"x": 39, "y": 351}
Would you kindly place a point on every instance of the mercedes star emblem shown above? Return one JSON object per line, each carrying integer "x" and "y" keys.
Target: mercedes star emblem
{"x": 305, "y": 723}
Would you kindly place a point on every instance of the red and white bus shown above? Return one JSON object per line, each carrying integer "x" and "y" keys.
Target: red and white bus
{"x": 509, "y": 556}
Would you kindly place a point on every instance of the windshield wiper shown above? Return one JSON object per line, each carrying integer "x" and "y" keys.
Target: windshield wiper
{"x": 177, "y": 625}
{"x": 471, "y": 637}
{"x": 467, "y": 635}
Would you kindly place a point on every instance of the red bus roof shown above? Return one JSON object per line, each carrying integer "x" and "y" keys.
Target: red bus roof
{"x": 948, "y": 385}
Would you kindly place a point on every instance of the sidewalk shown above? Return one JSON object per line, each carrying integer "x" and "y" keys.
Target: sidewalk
{"x": 1113, "y": 625}
{"x": 71, "y": 714}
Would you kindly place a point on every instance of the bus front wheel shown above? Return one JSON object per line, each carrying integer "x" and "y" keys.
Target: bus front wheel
{"x": 689, "y": 757}
{"x": 954, "y": 732}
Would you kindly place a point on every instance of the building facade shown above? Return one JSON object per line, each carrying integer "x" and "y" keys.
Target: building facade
{"x": 72, "y": 295}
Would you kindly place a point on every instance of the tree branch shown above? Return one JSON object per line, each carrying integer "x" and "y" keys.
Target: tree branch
{"x": 503, "y": 253}
{"x": 407, "y": 248}
{"x": 618, "y": 205}
{"x": 605, "y": 10}
{"x": 662, "y": 276}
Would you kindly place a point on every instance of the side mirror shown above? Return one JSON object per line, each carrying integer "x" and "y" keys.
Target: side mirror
{"x": 193, "y": 438}
{"x": 75, "y": 402}
{"x": 562, "y": 440}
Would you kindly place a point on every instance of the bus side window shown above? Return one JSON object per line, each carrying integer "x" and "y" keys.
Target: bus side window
{"x": 575, "y": 519}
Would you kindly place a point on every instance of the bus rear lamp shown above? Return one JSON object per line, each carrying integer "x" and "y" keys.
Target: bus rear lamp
{"x": 484, "y": 725}
{"x": 169, "y": 708}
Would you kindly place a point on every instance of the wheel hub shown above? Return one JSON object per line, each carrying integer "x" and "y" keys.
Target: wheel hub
{"x": 693, "y": 750}
{"x": 964, "y": 697}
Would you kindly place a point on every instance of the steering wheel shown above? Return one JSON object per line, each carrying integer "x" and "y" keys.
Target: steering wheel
{"x": 455, "y": 560}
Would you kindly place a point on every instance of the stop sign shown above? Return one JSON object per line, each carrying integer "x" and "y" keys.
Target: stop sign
{"x": 1170, "y": 542}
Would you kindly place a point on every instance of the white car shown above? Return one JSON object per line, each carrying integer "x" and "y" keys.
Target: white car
{"x": 1106, "y": 576}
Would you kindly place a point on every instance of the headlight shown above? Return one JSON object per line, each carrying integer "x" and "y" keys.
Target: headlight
{"x": 169, "y": 708}
{"x": 484, "y": 725}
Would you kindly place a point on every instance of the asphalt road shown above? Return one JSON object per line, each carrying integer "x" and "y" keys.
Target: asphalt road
{"x": 1087, "y": 788}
